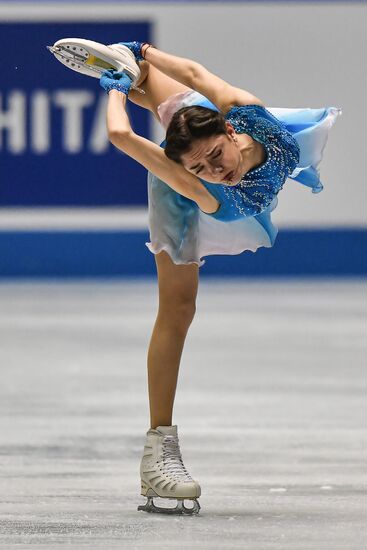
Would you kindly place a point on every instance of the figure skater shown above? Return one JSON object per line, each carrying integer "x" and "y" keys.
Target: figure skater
{"x": 212, "y": 186}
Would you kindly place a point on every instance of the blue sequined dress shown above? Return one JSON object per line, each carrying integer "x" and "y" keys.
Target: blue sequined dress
{"x": 294, "y": 140}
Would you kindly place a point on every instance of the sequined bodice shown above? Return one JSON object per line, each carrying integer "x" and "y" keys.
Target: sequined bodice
{"x": 258, "y": 187}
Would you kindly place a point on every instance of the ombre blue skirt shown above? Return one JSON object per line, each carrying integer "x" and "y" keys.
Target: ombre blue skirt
{"x": 187, "y": 234}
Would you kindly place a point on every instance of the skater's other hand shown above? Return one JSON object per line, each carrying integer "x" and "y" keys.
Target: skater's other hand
{"x": 134, "y": 47}
{"x": 113, "y": 80}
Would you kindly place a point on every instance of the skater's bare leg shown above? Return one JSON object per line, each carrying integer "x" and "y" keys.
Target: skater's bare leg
{"x": 178, "y": 285}
{"x": 157, "y": 86}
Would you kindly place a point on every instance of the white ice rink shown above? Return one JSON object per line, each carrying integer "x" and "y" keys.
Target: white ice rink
{"x": 271, "y": 410}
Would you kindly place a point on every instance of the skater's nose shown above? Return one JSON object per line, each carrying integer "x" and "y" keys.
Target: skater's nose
{"x": 217, "y": 170}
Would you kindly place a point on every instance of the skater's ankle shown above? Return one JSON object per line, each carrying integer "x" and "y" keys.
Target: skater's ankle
{"x": 144, "y": 71}
{"x": 154, "y": 426}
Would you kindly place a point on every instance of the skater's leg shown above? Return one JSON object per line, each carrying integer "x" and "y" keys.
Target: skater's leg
{"x": 157, "y": 87}
{"x": 162, "y": 470}
{"x": 178, "y": 285}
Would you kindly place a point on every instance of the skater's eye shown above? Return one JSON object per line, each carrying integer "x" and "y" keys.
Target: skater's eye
{"x": 217, "y": 153}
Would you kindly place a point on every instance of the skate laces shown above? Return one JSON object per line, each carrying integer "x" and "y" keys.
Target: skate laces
{"x": 172, "y": 459}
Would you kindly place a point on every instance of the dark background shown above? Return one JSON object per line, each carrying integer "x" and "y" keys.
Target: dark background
{"x": 59, "y": 178}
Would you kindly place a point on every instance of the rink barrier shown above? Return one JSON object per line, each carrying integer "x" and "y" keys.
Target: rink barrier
{"x": 63, "y": 254}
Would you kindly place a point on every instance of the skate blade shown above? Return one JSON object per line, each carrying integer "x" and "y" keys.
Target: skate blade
{"x": 179, "y": 509}
{"x": 77, "y": 57}
{"x": 79, "y": 60}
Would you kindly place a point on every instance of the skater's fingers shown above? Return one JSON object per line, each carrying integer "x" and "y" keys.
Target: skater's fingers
{"x": 107, "y": 74}
{"x": 115, "y": 80}
{"x": 120, "y": 75}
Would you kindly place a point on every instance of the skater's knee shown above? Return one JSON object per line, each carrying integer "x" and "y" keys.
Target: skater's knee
{"x": 177, "y": 291}
{"x": 178, "y": 313}
{"x": 185, "y": 312}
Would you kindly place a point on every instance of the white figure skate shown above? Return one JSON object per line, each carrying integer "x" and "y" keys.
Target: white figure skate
{"x": 164, "y": 475}
{"x": 92, "y": 58}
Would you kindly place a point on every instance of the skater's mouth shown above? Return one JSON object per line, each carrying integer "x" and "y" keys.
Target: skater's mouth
{"x": 228, "y": 177}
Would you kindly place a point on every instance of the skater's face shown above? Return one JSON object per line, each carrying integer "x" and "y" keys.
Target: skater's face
{"x": 216, "y": 159}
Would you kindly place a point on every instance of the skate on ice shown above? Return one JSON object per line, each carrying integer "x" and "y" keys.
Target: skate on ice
{"x": 164, "y": 475}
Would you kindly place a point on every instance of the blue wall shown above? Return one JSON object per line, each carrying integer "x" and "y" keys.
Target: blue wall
{"x": 113, "y": 254}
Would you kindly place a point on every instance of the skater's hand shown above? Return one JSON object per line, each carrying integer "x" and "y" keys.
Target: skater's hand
{"x": 134, "y": 47}
{"x": 113, "y": 80}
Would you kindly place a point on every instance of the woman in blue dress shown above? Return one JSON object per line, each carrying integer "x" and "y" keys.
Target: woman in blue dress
{"x": 212, "y": 186}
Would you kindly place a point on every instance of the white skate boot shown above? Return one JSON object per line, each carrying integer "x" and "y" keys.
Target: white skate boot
{"x": 164, "y": 475}
{"x": 92, "y": 58}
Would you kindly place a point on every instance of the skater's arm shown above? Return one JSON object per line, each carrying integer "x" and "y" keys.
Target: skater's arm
{"x": 152, "y": 157}
{"x": 197, "y": 77}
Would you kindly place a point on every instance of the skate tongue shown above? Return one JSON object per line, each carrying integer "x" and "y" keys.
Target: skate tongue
{"x": 167, "y": 430}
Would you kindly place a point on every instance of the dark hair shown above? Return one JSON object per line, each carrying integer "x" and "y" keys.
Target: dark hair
{"x": 188, "y": 124}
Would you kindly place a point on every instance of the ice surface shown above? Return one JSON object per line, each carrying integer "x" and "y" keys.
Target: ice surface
{"x": 271, "y": 409}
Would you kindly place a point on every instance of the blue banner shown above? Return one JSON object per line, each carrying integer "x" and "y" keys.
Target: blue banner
{"x": 54, "y": 149}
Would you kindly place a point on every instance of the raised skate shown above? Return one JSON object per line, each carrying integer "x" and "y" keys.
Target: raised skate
{"x": 164, "y": 475}
{"x": 92, "y": 58}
